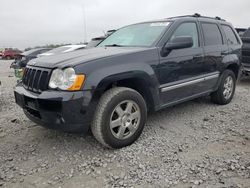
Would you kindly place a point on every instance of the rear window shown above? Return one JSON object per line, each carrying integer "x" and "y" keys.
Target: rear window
{"x": 212, "y": 34}
{"x": 231, "y": 38}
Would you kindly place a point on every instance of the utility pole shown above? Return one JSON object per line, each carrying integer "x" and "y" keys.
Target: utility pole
{"x": 84, "y": 24}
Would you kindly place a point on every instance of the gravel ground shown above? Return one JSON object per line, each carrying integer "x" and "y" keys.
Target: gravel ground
{"x": 195, "y": 144}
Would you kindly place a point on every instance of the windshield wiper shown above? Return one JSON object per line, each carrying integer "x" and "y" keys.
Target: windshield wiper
{"x": 113, "y": 45}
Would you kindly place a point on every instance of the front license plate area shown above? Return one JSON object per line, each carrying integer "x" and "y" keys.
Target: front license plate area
{"x": 31, "y": 103}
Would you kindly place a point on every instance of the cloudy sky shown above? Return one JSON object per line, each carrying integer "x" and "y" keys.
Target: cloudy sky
{"x": 25, "y": 23}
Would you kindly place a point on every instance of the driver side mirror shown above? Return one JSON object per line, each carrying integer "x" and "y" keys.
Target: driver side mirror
{"x": 178, "y": 43}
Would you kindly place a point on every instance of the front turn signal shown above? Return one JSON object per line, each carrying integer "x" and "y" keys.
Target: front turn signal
{"x": 78, "y": 83}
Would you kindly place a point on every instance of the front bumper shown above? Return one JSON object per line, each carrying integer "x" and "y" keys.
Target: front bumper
{"x": 67, "y": 111}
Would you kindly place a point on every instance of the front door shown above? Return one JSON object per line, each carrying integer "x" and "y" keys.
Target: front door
{"x": 181, "y": 67}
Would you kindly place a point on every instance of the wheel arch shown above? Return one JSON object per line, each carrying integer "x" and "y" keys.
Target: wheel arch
{"x": 137, "y": 80}
{"x": 232, "y": 62}
{"x": 235, "y": 67}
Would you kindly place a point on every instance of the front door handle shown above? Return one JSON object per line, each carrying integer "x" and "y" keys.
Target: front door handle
{"x": 224, "y": 53}
{"x": 198, "y": 56}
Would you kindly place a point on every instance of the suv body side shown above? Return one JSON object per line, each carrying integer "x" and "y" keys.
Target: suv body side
{"x": 162, "y": 79}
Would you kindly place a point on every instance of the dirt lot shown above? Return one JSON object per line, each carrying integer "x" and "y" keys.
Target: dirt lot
{"x": 195, "y": 144}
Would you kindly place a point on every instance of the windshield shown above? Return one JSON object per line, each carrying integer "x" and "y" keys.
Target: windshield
{"x": 144, "y": 34}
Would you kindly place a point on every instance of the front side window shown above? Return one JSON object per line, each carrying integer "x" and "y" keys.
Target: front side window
{"x": 144, "y": 34}
{"x": 212, "y": 34}
{"x": 231, "y": 38}
{"x": 187, "y": 30}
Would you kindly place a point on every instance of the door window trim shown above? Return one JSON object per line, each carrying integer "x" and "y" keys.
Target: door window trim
{"x": 238, "y": 40}
{"x": 203, "y": 35}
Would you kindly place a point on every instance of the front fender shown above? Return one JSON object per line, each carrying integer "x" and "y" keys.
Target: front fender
{"x": 119, "y": 72}
{"x": 101, "y": 78}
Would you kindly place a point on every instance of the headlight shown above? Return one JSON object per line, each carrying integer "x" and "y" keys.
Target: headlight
{"x": 66, "y": 80}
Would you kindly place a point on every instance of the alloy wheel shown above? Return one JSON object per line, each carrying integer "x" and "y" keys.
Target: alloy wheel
{"x": 125, "y": 119}
{"x": 228, "y": 87}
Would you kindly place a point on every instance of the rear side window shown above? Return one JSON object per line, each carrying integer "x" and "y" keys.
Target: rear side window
{"x": 231, "y": 38}
{"x": 212, "y": 34}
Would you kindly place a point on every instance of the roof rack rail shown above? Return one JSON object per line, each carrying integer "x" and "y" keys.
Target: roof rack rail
{"x": 218, "y": 18}
{"x": 197, "y": 15}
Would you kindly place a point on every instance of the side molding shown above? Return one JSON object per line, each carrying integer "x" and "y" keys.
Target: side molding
{"x": 188, "y": 82}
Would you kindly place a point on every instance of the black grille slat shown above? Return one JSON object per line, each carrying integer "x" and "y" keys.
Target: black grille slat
{"x": 24, "y": 75}
{"x": 30, "y": 81}
{"x": 33, "y": 79}
{"x": 27, "y": 76}
{"x": 36, "y": 79}
{"x": 43, "y": 84}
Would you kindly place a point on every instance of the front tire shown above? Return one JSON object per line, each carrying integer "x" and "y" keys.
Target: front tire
{"x": 119, "y": 118}
{"x": 226, "y": 90}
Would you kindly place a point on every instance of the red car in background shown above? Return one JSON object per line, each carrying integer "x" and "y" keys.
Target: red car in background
{"x": 11, "y": 53}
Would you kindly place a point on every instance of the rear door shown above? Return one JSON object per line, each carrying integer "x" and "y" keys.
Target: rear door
{"x": 214, "y": 50}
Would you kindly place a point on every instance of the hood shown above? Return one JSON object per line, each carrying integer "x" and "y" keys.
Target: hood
{"x": 82, "y": 56}
{"x": 45, "y": 54}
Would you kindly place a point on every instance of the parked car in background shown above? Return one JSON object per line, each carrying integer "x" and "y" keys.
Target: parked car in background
{"x": 27, "y": 56}
{"x": 246, "y": 51}
{"x": 240, "y": 31}
{"x": 11, "y": 54}
{"x": 1, "y": 53}
{"x": 63, "y": 49}
{"x": 140, "y": 68}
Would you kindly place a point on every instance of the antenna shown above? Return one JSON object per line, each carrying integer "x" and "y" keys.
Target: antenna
{"x": 84, "y": 24}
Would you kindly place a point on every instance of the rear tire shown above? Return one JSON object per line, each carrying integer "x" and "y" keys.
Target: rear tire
{"x": 226, "y": 90}
{"x": 119, "y": 118}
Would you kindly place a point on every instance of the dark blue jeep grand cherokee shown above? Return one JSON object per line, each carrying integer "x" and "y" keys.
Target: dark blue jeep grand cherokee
{"x": 141, "y": 67}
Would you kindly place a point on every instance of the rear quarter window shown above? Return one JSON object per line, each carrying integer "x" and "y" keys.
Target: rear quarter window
{"x": 212, "y": 34}
{"x": 231, "y": 37}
